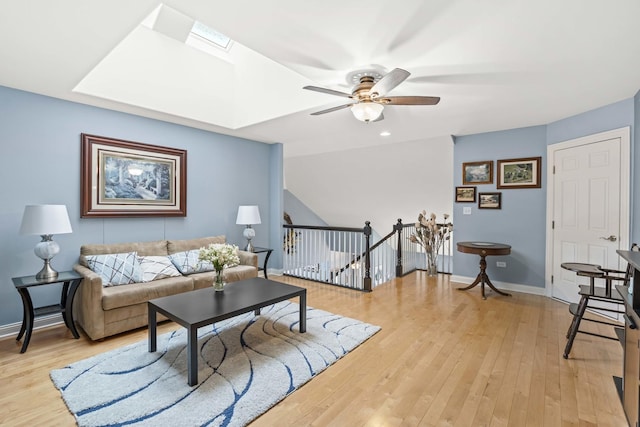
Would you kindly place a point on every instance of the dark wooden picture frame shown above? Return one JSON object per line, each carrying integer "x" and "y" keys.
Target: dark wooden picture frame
{"x": 130, "y": 179}
{"x": 477, "y": 172}
{"x": 520, "y": 173}
{"x": 490, "y": 200}
{"x": 465, "y": 194}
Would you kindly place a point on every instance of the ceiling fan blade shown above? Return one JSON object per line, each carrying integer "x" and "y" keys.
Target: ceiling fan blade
{"x": 388, "y": 82}
{"x": 332, "y": 109}
{"x": 409, "y": 100}
{"x": 328, "y": 91}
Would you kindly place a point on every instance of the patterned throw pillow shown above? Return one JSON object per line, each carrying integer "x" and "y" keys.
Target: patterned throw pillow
{"x": 156, "y": 267}
{"x": 116, "y": 269}
{"x": 187, "y": 262}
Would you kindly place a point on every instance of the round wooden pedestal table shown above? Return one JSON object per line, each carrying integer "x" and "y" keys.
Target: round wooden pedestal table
{"x": 484, "y": 249}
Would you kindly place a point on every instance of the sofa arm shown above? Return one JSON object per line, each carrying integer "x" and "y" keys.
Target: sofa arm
{"x": 248, "y": 258}
{"x": 88, "y": 303}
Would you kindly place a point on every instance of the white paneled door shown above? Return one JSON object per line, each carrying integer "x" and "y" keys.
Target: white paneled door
{"x": 589, "y": 207}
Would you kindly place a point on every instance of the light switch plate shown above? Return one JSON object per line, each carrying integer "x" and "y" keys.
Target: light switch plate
{"x": 466, "y": 210}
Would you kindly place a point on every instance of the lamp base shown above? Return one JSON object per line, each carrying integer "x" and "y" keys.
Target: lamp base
{"x": 46, "y": 250}
{"x": 249, "y": 233}
{"x": 47, "y": 273}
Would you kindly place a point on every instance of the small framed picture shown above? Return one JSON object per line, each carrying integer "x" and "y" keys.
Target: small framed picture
{"x": 519, "y": 173}
{"x": 477, "y": 172}
{"x": 489, "y": 200}
{"x": 466, "y": 194}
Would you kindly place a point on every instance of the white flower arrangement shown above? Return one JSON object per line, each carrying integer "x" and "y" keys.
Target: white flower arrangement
{"x": 221, "y": 255}
{"x": 431, "y": 235}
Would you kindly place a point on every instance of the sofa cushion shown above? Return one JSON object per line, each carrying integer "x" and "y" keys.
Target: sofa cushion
{"x": 139, "y": 293}
{"x": 174, "y": 246}
{"x": 156, "y": 267}
{"x": 157, "y": 247}
{"x": 116, "y": 269}
{"x": 187, "y": 262}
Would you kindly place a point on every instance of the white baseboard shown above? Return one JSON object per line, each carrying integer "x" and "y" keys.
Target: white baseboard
{"x": 275, "y": 271}
{"x": 12, "y": 329}
{"x": 534, "y": 290}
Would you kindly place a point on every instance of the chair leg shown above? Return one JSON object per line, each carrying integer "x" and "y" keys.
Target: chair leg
{"x": 575, "y": 324}
{"x": 573, "y": 321}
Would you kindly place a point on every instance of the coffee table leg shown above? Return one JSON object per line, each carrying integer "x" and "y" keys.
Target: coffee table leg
{"x": 303, "y": 311}
{"x": 152, "y": 329}
{"x": 192, "y": 355}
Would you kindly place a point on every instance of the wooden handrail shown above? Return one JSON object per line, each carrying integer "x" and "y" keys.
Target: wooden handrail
{"x": 367, "y": 256}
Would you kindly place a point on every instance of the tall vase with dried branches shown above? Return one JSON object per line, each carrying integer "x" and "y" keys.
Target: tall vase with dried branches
{"x": 431, "y": 235}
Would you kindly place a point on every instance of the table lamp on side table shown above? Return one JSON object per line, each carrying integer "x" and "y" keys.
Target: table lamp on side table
{"x": 248, "y": 215}
{"x": 46, "y": 220}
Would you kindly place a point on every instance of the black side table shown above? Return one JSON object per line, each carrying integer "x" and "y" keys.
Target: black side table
{"x": 257, "y": 250}
{"x": 71, "y": 281}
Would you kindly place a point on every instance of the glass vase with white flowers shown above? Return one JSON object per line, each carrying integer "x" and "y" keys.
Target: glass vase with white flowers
{"x": 221, "y": 255}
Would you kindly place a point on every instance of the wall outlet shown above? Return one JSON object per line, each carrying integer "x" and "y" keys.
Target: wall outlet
{"x": 466, "y": 210}
{"x": 501, "y": 264}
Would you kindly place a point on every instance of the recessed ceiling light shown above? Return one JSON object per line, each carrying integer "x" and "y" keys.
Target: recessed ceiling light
{"x": 385, "y": 133}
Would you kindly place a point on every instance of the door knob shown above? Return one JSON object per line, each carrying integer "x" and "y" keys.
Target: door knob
{"x": 611, "y": 238}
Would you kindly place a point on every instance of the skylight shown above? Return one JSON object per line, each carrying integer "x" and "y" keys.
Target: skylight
{"x": 211, "y": 35}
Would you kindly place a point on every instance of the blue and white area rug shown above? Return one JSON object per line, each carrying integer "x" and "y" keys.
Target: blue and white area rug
{"x": 246, "y": 365}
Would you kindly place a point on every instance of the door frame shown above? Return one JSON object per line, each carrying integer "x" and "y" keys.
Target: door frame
{"x": 625, "y": 189}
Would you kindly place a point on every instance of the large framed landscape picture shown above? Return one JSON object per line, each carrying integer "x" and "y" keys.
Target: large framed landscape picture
{"x": 477, "y": 172}
{"x": 519, "y": 173}
{"x": 130, "y": 179}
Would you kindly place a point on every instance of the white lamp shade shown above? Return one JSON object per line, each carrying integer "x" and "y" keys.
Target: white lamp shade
{"x": 45, "y": 219}
{"x": 367, "y": 111}
{"x": 248, "y": 215}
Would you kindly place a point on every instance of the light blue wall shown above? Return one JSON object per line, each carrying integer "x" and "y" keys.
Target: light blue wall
{"x": 521, "y": 221}
{"x": 635, "y": 172}
{"x": 276, "y": 184}
{"x": 40, "y": 138}
{"x": 608, "y": 117}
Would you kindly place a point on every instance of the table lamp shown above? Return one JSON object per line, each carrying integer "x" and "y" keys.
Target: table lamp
{"x": 46, "y": 220}
{"x": 248, "y": 215}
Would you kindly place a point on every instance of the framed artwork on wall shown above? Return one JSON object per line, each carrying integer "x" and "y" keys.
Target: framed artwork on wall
{"x": 130, "y": 179}
{"x": 519, "y": 173}
{"x": 490, "y": 201}
{"x": 477, "y": 172}
{"x": 466, "y": 194}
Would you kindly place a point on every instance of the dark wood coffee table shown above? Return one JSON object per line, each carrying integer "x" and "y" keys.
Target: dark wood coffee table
{"x": 204, "y": 307}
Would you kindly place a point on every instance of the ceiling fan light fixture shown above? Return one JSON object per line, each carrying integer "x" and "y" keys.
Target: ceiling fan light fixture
{"x": 367, "y": 111}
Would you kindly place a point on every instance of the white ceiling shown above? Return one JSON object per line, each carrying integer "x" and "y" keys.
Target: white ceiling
{"x": 496, "y": 64}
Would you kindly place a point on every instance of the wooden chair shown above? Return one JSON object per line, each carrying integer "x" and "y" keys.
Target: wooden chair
{"x": 591, "y": 293}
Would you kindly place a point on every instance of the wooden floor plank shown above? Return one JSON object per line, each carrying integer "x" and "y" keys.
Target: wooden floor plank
{"x": 443, "y": 357}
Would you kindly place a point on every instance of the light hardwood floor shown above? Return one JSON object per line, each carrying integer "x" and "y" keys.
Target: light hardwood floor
{"x": 443, "y": 357}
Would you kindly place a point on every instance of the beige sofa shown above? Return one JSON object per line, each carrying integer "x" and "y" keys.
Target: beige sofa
{"x": 102, "y": 311}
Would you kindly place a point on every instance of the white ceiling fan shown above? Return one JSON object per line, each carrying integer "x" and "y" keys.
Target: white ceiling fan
{"x": 369, "y": 95}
